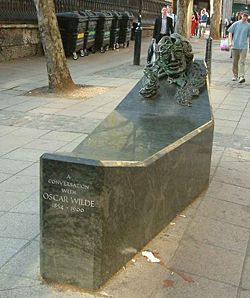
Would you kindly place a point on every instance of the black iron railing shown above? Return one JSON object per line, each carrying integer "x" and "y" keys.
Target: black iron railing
{"x": 24, "y": 10}
{"x": 14, "y": 10}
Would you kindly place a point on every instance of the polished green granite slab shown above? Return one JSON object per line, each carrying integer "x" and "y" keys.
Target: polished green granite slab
{"x": 139, "y": 128}
{"x": 103, "y": 202}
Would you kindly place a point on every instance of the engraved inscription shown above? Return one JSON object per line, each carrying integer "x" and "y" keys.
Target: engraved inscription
{"x": 69, "y": 184}
{"x": 69, "y": 200}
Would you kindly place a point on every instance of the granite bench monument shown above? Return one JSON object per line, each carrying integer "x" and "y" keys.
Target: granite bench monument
{"x": 149, "y": 159}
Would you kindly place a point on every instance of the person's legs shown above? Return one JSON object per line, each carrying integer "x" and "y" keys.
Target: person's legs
{"x": 199, "y": 31}
{"x": 203, "y": 29}
{"x": 236, "y": 57}
{"x": 242, "y": 62}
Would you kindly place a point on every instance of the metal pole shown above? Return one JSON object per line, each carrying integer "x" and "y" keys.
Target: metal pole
{"x": 208, "y": 56}
{"x": 138, "y": 34}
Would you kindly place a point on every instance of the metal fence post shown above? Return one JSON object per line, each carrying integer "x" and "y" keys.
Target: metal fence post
{"x": 138, "y": 35}
{"x": 208, "y": 56}
{"x": 137, "y": 47}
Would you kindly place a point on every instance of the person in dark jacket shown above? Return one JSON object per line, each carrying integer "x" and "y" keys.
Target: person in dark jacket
{"x": 163, "y": 25}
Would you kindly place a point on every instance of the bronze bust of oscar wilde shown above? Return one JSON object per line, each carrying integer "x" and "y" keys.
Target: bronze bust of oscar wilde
{"x": 174, "y": 62}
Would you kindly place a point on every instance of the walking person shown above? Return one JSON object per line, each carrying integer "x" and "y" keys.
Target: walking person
{"x": 203, "y": 22}
{"x": 239, "y": 38}
{"x": 163, "y": 25}
{"x": 197, "y": 29}
{"x": 194, "y": 23}
{"x": 171, "y": 14}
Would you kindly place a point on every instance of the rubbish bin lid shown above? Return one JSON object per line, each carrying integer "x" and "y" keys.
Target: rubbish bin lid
{"x": 91, "y": 14}
{"x": 104, "y": 14}
{"x": 116, "y": 14}
{"x": 69, "y": 15}
{"x": 127, "y": 14}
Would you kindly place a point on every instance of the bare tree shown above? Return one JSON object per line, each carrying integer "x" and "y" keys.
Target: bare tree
{"x": 215, "y": 20}
{"x": 181, "y": 26}
{"x": 59, "y": 76}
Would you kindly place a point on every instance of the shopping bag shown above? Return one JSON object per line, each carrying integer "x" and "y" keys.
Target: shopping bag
{"x": 151, "y": 52}
{"x": 224, "y": 45}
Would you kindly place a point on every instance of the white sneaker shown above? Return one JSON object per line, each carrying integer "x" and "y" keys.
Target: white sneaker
{"x": 234, "y": 78}
{"x": 242, "y": 80}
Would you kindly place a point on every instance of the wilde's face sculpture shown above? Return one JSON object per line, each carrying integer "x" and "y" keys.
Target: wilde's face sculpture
{"x": 174, "y": 62}
{"x": 174, "y": 54}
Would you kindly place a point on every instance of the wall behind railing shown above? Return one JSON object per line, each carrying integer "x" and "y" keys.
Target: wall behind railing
{"x": 24, "y": 10}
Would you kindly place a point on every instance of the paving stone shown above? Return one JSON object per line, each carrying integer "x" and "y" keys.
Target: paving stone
{"x": 9, "y": 199}
{"x": 245, "y": 281}
{"x": 4, "y": 176}
{"x": 31, "y": 132}
{"x": 76, "y": 110}
{"x": 233, "y": 155}
{"x": 61, "y": 104}
{"x": 9, "y": 144}
{"x": 21, "y": 183}
{"x": 231, "y": 176}
{"x": 225, "y": 211}
{"x": 212, "y": 171}
{"x": 44, "y": 110}
{"x": 32, "y": 170}
{"x": 232, "y": 107}
{"x": 8, "y": 282}
{"x": 237, "y": 160}
{"x": 228, "y": 192}
{"x": 242, "y": 132}
{"x": 24, "y": 107}
{"x": 96, "y": 115}
{"x": 82, "y": 127}
{"x": 240, "y": 142}
{"x": 133, "y": 282}
{"x": 217, "y": 233}
{"x": 9, "y": 166}
{"x": 25, "y": 154}
{"x": 25, "y": 263}
{"x": 42, "y": 291}
{"x": 8, "y": 248}
{"x": 226, "y": 123}
{"x": 208, "y": 261}
{"x": 232, "y": 100}
{"x": 244, "y": 123}
{"x": 42, "y": 144}
{"x": 29, "y": 206}
{"x": 16, "y": 225}
{"x": 246, "y": 113}
{"x": 4, "y": 130}
{"x": 222, "y": 139}
{"x": 244, "y": 294}
{"x": 228, "y": 114}
{"x": 224, "y": 130}
{"x": 14, "y": 118}
{"x": 72, "y": 145}
{"x": 201, "y": 287}
{"x": 61, "y": 136}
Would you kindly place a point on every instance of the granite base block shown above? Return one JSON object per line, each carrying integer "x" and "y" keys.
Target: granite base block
{"x": 107, "y": 199}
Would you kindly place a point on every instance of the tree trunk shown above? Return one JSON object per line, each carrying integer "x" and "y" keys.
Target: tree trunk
{"x": 58, "y": 72}
{"x": 215, "y": 20}
{"x": 182, "y": 21}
